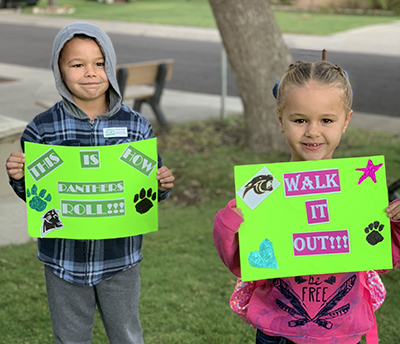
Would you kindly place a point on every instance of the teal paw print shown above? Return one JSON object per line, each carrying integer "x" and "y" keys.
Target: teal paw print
{"x": 39, "y": 201}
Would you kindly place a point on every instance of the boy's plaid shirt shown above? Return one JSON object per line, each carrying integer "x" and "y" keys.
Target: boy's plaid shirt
{"x": 86, "y": 262}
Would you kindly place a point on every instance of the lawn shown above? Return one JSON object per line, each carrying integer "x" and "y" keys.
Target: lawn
{"x": 198, "y": 13}
{"x": 185, "y": 287}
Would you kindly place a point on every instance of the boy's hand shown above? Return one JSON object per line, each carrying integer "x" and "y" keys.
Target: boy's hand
{"x": 15, "y": 165}
{"x": 393, "y": 211}
{"x": 165, "y": 179}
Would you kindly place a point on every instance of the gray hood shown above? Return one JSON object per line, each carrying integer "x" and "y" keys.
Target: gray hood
{"x": 104, "y": 42}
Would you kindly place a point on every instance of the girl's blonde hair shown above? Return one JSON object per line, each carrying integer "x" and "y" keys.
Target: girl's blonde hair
{"x": 325, "y": 73}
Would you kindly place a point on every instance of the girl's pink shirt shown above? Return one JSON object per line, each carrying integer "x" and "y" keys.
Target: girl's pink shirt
{"x": 294, "y": 307}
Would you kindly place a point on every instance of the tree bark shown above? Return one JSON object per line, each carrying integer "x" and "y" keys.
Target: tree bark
{"x": 258, "y": 57}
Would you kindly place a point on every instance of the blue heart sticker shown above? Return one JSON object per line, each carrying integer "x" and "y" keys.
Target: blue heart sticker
{"x": 265, "y": 257}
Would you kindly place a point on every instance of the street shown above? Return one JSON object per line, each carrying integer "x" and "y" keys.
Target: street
{"x": 375, "y": 78}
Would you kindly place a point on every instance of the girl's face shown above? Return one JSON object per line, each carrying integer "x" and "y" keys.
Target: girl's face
{"x": 313, "y": 119}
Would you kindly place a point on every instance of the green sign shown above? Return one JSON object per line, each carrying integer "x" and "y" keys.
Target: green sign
{"x": 91, "y": 192}
{"x": 313, "y": 217}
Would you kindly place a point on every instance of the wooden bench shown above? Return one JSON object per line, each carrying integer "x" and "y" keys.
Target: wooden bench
{"x": 134, "y": 82}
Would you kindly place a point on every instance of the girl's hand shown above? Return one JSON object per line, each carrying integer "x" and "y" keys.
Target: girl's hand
{"x": 238, "y": 211}
{"x": 165, "y": 179}
{"x": 393, "y": 211}
{"x": 15, "y": 165}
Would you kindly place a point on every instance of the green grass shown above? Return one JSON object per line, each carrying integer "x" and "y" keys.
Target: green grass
{"x": 324, "y": 24}
{"x": 198, "y": 13}
{"x": 170, "y": 12}
{"x": 185, "y": 287}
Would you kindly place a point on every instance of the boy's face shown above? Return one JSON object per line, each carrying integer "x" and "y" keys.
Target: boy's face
{"x": 313, "y": 119}
{"x": 82, "y": 69}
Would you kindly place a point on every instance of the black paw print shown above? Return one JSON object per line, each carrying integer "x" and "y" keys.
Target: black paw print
{"x": 38, "y": 202}
{"x": 374, "y": 236}
{"x": 145, "y": 203}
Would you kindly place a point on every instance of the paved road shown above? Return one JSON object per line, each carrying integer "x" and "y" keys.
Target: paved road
{"x": 375, "y": 78}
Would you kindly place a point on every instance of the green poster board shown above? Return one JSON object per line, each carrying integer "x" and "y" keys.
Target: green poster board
{"x": 91, "y": 192}
{"x": 313, "y": 217}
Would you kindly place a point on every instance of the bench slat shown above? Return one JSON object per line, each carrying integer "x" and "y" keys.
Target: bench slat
{"x": 145, "y": 72}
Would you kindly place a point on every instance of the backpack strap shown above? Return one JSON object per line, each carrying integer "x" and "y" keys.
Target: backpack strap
{"x": 372, "y": 335}
{"x": 376, "y": 288}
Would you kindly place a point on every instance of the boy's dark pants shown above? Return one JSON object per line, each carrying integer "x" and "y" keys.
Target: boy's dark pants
{"x": 72, "y": 308}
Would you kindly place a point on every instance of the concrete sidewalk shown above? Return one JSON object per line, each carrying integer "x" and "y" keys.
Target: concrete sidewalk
{"x": 30, "y": 84}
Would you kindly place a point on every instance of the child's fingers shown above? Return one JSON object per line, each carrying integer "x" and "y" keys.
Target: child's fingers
{"x": 165, "y": 178}
{"x": 238, "y": 211}
{"x": 16, "y": 157}
{"x": 393, "y": 211}
{"x": 163, "y": 171}
{"x": 15, "y": 172}
{"x": 167, "y": 183}
{"x": 164, "y": 175}
{"x": 15, "y": 165}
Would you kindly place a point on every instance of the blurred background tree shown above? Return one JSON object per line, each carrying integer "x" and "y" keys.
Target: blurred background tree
{"x": 258, "y": 57}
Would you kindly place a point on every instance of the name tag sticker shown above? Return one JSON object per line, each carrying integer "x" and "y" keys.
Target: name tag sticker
{"x": 115, "y": 132}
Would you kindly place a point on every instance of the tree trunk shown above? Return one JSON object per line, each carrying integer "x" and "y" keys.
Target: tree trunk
{"x": 258, "y": 57}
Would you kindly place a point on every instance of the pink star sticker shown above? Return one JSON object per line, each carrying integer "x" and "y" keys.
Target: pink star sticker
{"x": 369, "y": 171}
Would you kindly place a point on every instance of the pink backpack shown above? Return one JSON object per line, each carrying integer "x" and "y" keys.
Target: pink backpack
{"x": 243, "y": 291}
{"x": 376, "y": 288}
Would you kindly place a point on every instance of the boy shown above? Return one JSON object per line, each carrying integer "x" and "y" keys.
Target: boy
{"x": 81, "y": 274}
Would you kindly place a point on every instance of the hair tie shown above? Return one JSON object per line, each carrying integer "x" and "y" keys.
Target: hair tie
{"x": 275, "y": 89}
{"x": 347, "y": 76}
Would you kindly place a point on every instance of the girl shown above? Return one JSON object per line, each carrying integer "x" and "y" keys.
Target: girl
{"x": 314, "y": 109}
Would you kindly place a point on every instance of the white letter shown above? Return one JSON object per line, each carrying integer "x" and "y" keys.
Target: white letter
{"x": 55, "y": 158}
{"x": 292, "y": 184}
{"x": 303, "y": 244}
{"x": 307, "y": 183}
{"x": 321, "y": 209}
{"x": 314, "y": 216}
{"x": 79, "y": 209}
{"x": 94, "y": 159}
{"x": 136, "y": 158}
{"x": 318, "y": 186}
{"x": 147, "y": 165}
{"x": 330, "y": 179}
{"x": 323, "y": 238}
{"x": 66, "y": 209}
{"x": 61, "y": 187}
{"x": 309, "y": 244}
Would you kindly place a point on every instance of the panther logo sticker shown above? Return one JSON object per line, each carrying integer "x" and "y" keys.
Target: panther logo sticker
{"x": 258, "y": 188}
{"x": 51, "y": 222}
